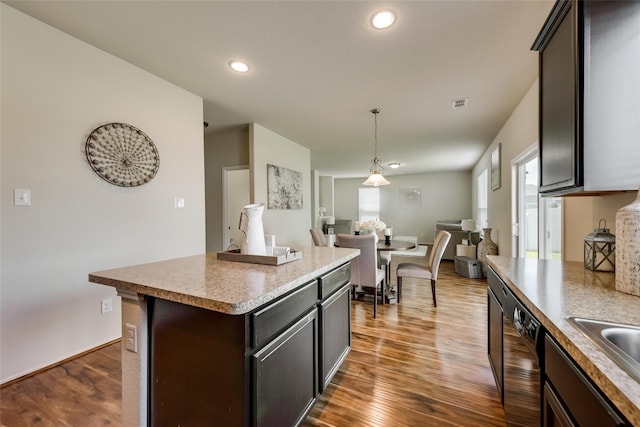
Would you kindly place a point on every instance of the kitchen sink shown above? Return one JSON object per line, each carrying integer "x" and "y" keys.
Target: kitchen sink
{"x": 621, "y": 342}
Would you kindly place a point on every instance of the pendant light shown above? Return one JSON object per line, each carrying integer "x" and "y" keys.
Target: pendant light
{"x": 376, "y": 179}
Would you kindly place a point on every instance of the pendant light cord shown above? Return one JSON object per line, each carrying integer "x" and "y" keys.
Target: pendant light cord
{"x": 376, "y": 162}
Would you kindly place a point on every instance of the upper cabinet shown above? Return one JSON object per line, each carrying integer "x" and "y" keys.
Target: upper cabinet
{"x": 590, "y": 97}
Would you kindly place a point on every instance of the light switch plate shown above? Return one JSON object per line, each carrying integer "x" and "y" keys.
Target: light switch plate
{"x": 21, "y": 197}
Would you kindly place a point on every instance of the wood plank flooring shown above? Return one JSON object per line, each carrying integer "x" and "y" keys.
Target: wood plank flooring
{"x": 415, "y": 365}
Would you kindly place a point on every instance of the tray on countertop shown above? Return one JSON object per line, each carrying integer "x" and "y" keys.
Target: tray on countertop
{"x": 283, "y": 258}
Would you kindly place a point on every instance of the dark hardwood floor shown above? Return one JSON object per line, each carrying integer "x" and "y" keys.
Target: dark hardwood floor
{"x": 415, "y": 365}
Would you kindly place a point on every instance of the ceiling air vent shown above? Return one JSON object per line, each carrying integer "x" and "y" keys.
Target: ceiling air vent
{"x": 459, "y": 103}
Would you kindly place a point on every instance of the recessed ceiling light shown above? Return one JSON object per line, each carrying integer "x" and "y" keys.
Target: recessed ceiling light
{"x": 384, "y": 19}
{"x": 394, "y": 165}
{"x": 239, "y": 66}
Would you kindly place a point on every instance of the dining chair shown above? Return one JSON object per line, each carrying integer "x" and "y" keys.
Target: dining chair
{"x": 430, "y": 271}
{"x": 318, "y": 237}
{"x": 384, "y": 257}
{"x": 364, "y": 268}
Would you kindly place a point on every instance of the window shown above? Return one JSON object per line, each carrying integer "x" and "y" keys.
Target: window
{"x": 368, "y": 203}
{"x": 482, "y": 186}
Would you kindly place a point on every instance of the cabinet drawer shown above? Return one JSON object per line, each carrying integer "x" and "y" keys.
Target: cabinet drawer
{"x": 334, "y": 279}
{"x": 496, "y": 284}
{"x": 583, "y": 401}
{"x": 267, "y": 322}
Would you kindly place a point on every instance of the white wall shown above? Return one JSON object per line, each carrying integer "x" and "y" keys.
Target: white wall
{"x": 445, "y": 195}
{"x": 519, "y": 132}
{"x": 291, "y": 227}
{"x": 228, "y": 147}
{"x": 580, "y": 213}
{"x": 326, "y": 185}
{"x": 55, "y": 91}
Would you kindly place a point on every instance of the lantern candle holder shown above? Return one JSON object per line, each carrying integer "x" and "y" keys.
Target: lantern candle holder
{"x": 599, "y": 249}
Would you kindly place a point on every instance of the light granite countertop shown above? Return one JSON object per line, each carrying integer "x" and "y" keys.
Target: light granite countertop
{"x": 225, "y": 286}
{"x": 555, "y": 290}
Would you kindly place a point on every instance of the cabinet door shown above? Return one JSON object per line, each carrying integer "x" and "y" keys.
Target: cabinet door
{"x": 553, "y": 413}
{"x": 285, "y": 375}
{"x": 611, "y": 95}
{"x": 494, "y": 342}
{"x": 560, "y": 146}
{"x": 335, "y": 333}
{"x": 585, "y": 403}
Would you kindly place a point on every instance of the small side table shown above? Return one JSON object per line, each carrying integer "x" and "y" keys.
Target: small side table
{"x": 464, "y": 250}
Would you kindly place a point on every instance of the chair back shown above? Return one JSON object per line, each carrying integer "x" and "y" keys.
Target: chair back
{"x": 442, "y": 239}
{"x": 318, "y": 237}
{"x": 364, "y": 266}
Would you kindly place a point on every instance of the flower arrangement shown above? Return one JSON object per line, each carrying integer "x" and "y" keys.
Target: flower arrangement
{"x": 372, "y": 225}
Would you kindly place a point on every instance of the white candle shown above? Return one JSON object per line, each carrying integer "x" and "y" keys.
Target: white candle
{"x": 356, "y": 226}
{"x": 387, "y": 232}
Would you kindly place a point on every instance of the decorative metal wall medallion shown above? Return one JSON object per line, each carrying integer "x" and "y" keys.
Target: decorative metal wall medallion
{"x": 122, "y": 155}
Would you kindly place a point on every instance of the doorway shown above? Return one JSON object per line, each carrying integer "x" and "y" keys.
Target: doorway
{"x": 525, "y": 203}
{"x": 236, "y": 195}
{"x": 537, "y": 221}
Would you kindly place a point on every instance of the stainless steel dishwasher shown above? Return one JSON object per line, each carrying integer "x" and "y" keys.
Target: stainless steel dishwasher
{"x": 522, "y": 351}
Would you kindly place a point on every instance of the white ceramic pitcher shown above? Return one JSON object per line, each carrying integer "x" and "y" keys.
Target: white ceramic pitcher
{"x": 253, "y": 230}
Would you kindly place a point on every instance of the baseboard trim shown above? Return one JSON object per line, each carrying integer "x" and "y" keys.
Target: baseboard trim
{"x": 61, "y": 362}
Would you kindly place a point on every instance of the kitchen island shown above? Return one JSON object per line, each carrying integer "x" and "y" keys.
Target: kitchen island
{"x": 554, "y": 291}
{"x": 211, "y": 342}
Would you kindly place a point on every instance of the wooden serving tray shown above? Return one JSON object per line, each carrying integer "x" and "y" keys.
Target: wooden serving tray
{"x": 235, "y": 255}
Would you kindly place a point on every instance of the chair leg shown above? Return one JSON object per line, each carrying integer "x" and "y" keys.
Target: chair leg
{"x": 387, "y": 273}
{"x": 399, "y": 292}
{"x": 375, "y": 302}
{"x": 433, "y": 291}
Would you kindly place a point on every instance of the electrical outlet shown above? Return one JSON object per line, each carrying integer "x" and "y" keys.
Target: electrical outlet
{"x": 178, "y": 202}
{"x": 131, "y": 337}
{"x": 106, "y": 306}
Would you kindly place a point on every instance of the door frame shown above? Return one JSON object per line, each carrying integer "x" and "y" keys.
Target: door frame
{"x": 517, "y": 199}
{"x": 225, "y": 202}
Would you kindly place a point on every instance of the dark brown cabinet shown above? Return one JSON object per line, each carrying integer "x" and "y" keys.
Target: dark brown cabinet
{"x": 335, "y": 327}
{"x": 553, "y": 413}
{"x": 560, "y": 148}
{"x": 570, "y": 399}
{"x": 494, "y": 341}
{"x": 262, "y": 368}
{"x": 589, "y": 76}
{"x": 285, "y": 375}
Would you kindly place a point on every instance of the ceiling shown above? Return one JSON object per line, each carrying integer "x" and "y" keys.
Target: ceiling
{"x": 318, "y": 68}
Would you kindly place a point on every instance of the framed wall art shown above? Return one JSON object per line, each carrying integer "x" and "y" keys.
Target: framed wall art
{"x": 411, "y": 197}
{"x": 284, "y": 188}
{"x": 495, "y": 167}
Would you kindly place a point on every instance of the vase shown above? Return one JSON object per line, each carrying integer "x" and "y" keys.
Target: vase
{"x": 253, "y": 229}
{"x": 628, "y": 248}
{"x": 486, "y": 247}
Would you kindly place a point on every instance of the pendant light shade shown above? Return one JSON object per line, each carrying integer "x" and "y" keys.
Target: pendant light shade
{"x": 376, "y": 179}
